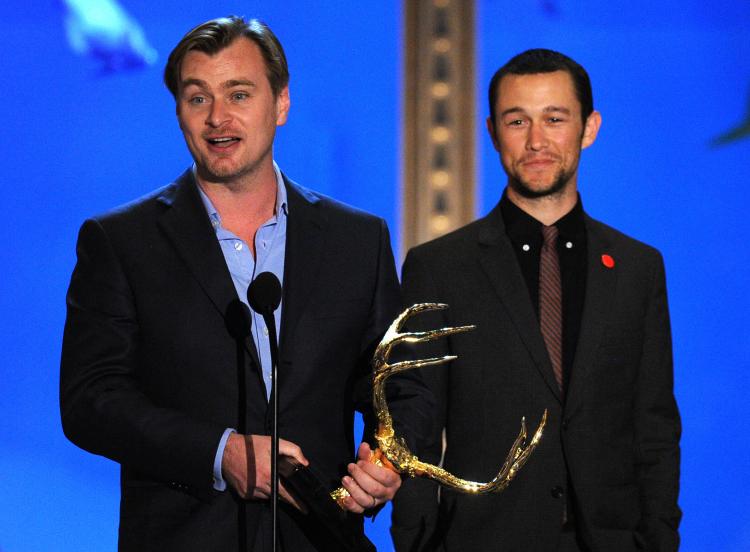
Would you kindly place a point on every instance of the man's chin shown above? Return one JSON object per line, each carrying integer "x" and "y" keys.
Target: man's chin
{"x": 535, "y": 191}
{"x": 218, "y": 172}
{"x": 538, "y": 189}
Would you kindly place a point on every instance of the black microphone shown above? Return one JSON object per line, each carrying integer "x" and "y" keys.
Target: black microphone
{"x": 238, "y": 320}
{"x": 264, "y": 296}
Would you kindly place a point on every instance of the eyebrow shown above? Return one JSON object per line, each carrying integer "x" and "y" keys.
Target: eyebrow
{"x": 226, "y": 84}
{"x": 238, "y": 82}
{"x": 556, "y": 109}
{"x": 548, "y": 109}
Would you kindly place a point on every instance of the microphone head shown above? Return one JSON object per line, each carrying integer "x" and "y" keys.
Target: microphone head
{"x": 264, "y": 293}
{"x": 238, "y": 319}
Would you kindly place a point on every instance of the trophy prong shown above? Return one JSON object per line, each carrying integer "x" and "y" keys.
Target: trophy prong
{"x": 411, "y": 364}
{"x": 431, "y": 335}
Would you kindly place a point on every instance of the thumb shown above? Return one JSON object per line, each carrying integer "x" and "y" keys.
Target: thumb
{"x": 364, "y": 452}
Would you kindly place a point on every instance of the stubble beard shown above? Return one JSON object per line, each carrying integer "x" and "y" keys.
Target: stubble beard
{"x": 220, "y": 171}
{"x": 526, "y": 190}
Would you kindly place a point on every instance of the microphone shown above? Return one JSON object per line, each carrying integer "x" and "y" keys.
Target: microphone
{"x": 264, "y": 296}
{"x": 238, "y": 320}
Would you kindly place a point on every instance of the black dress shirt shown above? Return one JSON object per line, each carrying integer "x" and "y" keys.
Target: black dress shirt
{"x": 525, "y": 233}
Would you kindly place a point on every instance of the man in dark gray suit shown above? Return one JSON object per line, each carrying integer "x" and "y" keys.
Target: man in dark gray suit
{"x": 161, "y": 371}
{"x": 572, "y": 317}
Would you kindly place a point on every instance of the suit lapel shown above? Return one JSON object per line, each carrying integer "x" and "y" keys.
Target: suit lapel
{"x": 600, "y": 289}
{"x": 189, "y": 230}
{"x": 305, "y": 245}
{"x": 499, "y": 263}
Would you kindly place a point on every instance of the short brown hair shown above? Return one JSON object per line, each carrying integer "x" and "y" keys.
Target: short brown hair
{"x": 215, "y": 35}
{"x": 541, "y": 60}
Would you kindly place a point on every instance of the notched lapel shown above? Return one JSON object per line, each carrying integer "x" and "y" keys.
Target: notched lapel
{"x": 501, "y": 267}
{"x": 601, "y": 284}
{"x": 305, "y": 245}
{"x": 187, "y": 227}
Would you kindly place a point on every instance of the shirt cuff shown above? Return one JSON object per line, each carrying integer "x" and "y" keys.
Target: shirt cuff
{"x": 219, "y": 483}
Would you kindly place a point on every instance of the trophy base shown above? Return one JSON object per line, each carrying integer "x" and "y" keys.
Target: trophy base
{"x": 308, "y": 488}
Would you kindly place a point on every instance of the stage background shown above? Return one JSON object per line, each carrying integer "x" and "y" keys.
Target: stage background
{"x": 669, "y": 78}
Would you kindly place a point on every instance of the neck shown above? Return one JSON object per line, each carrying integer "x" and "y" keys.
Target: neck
{"x": 243, "y": 207}
{"x": 253, "y": 196}
{"x": 546, "y": 209}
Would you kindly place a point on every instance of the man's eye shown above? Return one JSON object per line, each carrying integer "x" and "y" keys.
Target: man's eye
{"x": 238, "y": 96}
{"x": 196, "y": 100}
{"x": 555, "y": 120}
{"x": 515, "y": 122}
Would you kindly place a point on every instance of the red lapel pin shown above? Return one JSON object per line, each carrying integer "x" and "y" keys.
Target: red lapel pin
{"x": 608, "y": 261}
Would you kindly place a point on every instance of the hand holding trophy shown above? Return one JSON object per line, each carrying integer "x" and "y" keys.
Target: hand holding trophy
{"x": 392, "y": 451}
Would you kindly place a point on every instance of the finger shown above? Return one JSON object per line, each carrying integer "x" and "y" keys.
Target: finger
{"x": 377, "y": 481}
{"x": 364, "y": 452}
{"x": 287, "y": 448}
{"x": 385, "y": 476}
{"x": 358, "y": 500}
{"x": 370, "y": 485}
{"x": 262, "y": 490}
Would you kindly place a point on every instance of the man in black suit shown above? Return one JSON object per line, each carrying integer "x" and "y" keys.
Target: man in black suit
{"x": 571, "y": 317}
{"x": 163, "y": 373}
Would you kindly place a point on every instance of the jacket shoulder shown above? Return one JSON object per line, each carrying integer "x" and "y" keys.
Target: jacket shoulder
{"x": 138, "y": 209}
{"x": 332, "y": 209}
{"x": 619, "y": 240}
{"x": 454, "y": 243}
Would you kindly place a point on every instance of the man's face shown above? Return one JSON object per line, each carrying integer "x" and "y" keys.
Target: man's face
{"x": 227, "y": 111}
{"x": 539, "y": 134}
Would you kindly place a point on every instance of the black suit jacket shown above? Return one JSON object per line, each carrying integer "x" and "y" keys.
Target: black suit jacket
{"x": 151, "y": 375}
{"x": 615, "y": 440}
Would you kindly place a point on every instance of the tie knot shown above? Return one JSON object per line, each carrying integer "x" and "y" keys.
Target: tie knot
{"x": 549, "y": 233}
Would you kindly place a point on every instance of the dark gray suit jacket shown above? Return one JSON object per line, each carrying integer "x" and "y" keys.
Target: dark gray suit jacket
{"x": 151, "y": 375}
{"x": 618, "y": 431}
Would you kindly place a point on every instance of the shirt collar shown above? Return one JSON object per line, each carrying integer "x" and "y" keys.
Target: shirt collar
{"x": 523, "y": 228}
{"x": 281, "y": 207}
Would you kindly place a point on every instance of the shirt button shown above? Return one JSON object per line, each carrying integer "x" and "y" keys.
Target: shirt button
{"x": 238, "y": 245}
{"x": 569, "y": 245}
{"x": 265, "y": 331}
{"x": 526, "y": 247}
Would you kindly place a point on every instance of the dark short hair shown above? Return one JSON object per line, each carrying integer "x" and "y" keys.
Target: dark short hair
{"x": 215, "y": 35}
{"x": 540, "y": 60}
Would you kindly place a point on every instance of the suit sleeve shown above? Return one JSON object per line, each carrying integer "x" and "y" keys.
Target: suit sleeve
{"x": 415, "y": 507}
{"x": 102, "y": 408}
{"x": 657, "y": 425}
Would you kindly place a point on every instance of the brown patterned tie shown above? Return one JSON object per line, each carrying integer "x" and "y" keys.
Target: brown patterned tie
{"x": 550, "y": 300}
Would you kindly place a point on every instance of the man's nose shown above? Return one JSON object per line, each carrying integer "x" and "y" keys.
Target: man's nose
{"x": 218, "y": 114}
{"x": 536, "y": 139}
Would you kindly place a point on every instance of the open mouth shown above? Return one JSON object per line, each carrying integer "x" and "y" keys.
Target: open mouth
{"x": 223, "y": 142}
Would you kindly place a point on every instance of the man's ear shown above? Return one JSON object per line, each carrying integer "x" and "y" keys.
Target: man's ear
{"x": 591, "y": 129}
{"x": 283, "y": 103}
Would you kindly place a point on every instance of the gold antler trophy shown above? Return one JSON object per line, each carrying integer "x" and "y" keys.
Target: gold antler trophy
{"x": 392, "y": 451}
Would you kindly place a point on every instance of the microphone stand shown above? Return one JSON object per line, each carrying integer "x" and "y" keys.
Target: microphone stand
{"x": 264, "y": 296}
{"x": 270, "y": 321}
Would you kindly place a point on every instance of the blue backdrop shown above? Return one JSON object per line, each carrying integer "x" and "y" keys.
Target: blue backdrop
{"x": 88, "y": 125}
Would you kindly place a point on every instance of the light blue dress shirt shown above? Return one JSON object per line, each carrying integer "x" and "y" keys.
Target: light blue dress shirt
{"x": 270, "y": 247}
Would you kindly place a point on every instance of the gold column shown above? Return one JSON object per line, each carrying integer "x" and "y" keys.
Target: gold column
{"x": 439, "y": 119}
